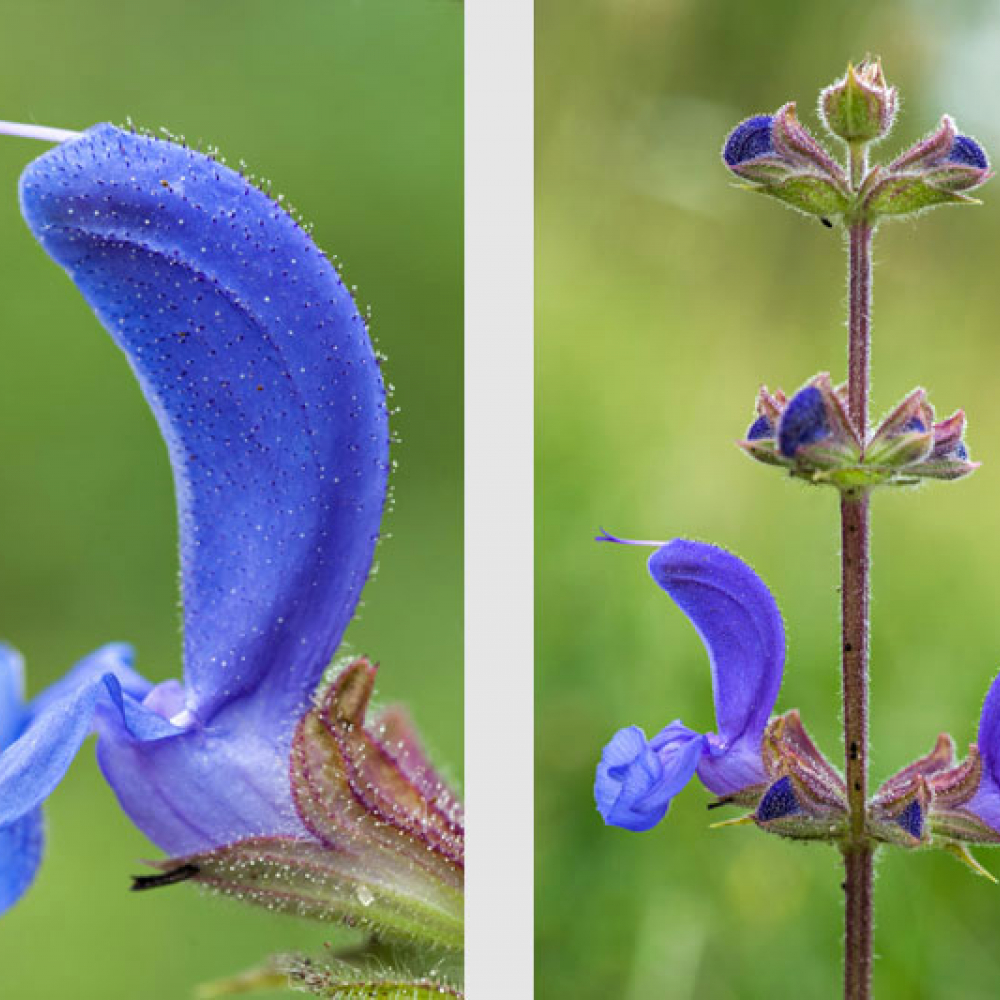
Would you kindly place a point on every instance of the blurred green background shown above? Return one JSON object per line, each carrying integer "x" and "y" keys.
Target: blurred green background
{"x": 664, "y": 298}
{"x": 353, "y": 108}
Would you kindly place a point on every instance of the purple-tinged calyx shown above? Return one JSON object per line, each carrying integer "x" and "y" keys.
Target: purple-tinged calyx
{"x": 936, "y": 802}
{"x": 935, "y": 171}
{"x": 806, "y": 798}
{"x": 810, "y": 433}
{"x": 812, "y": 436}
{"x": 935, "y": 156}
{"x": 776, "y": 155}
{"x": 934, "y": 148}
{"x": 352, "y": 782}
{"x": 910, "y": 441}
{"x": 861, "y": 107}
{"x": 741, "y": 627}
{"x": 897, "y": 812}
{"x": 384, "y": 847}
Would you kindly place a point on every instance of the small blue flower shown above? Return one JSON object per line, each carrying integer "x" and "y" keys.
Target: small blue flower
{"x": 750, "y": 139}
{"x": 739, "y": 622}
{"x": 968, "y": 152}
{"x": 261, "y": 375}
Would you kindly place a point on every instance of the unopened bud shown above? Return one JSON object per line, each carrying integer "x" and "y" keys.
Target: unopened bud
{"x": 861, "y": 107}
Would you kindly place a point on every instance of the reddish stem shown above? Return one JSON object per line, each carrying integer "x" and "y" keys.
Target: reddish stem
{"x": 857, "y": 852}
{"x": 855, "y": 591}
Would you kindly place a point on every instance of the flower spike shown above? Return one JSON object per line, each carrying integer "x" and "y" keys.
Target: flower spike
{"x": 811, "y": 436}
{"x": 776, "y": 155}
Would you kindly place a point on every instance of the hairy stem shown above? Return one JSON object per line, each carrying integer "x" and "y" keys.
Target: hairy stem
{"x": 857, "y": 852}
{"x": 855, "y": 591}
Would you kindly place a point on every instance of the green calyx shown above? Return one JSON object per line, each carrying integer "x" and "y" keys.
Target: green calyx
{"x": 860, "y": 107}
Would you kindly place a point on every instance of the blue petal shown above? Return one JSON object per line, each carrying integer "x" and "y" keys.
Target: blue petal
{"x": 260, "y": 372}
{"x": 203, "y": 787}
{"x": 115, "y": 658}
{"x": 21, "y": 845}
{"x": 728, "y": 768}
{"x": 968, "y": 152}
{"x": 804, "y": 421}
{"x": 748, "y": 140}
{"x": 11, "y": 695}
{"x": 637, "y": 778}
{"x": 740, "y": 624}
{"x": 32, "y": 766}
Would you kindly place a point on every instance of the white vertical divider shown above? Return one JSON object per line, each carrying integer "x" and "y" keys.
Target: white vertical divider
{"x": 499, "y": 130}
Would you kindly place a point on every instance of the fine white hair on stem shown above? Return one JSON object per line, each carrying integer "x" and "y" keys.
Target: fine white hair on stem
{"x": 42, "y": 132}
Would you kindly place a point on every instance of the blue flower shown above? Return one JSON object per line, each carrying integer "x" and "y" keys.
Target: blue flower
{"x": 741, "y": 627}
{"x": 262, "y": 378}
{"x": 637, "y": 778}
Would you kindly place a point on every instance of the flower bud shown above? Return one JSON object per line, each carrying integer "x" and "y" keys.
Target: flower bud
{"x": 933, "y": 172}
{"x": 933, "y": 148}
{"x": 749, "y": 140}
{"x": 777, "y": 156}
{"x": 968, "y": 152}
{"x": 898, "y": 813}
{"x": 804, "y": 422}
{"x": 861, "y": 107}
{"x": 807, "y": 798}
{"x": 809, "y": 434}
{"x": 812, "y": 436}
